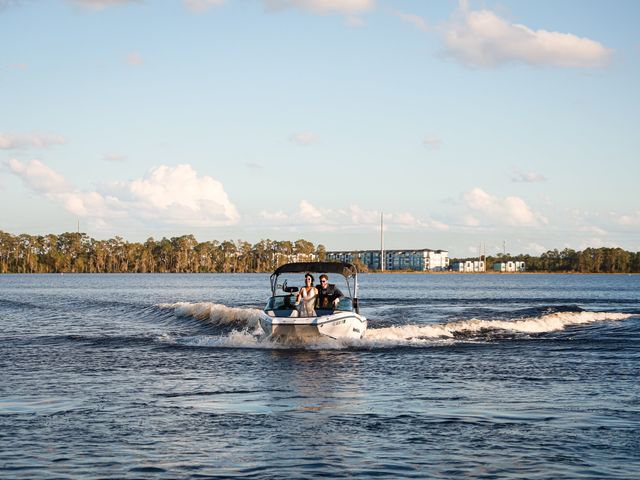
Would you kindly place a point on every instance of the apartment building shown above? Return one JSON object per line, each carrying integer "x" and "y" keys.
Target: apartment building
{"x": 423, "y": 259}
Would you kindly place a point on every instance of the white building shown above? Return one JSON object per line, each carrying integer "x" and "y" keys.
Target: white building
{"x": 509, "y": 266}
{"x": 469, "y": 266}
{"x": 418, "y": 260}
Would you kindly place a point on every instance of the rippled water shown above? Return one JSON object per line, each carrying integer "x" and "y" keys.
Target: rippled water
{"x": 168, "y": 376}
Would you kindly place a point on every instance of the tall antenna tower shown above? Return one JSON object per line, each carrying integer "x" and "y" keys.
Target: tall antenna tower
{"x": 381, "y": 241}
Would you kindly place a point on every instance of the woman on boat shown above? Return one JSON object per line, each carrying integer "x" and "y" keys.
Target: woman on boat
{"x": 306, "y": 299}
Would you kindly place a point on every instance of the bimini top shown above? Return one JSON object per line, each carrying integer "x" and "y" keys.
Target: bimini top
{"x": 340, "y": 268}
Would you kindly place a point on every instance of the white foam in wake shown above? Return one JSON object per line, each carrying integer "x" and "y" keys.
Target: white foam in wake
{"x": 250, "y": 334}
{"x": 216, "y": 313}
{"x": 547, "y": 323}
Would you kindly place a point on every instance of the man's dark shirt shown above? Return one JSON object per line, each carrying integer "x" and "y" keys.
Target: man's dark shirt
{"x": 326, "y": 296}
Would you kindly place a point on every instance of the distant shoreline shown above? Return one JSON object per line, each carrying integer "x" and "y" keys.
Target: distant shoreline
{"x": 377, "y": 272}
{"x": 489, "y": 272}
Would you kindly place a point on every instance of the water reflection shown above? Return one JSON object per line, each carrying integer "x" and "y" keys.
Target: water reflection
{"x": 36, "y": 405}
{"x": 317, "y": 381}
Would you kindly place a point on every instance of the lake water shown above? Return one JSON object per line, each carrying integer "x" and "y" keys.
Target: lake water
{"x": 167, "y": 376}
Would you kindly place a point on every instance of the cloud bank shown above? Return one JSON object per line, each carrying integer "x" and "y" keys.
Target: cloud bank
{"x": 39, "y": 178}
{"x": 627, "y": 220}
{"x": 483, "y": 39}
{"x": 199, "y": 6}
{"x": 24, "y": 141}
{"x": 502, "y": 211}
{"x": 319, "y": 218}
{"x": 164, "y": 196}
{"x": 323, "y": 7}
{"x": 101, "y": 4}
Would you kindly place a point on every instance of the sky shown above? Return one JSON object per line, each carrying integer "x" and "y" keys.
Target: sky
{"x": 494, "y": 125}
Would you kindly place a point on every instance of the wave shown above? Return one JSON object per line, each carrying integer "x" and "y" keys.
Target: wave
{"x": 474, "y": 328}
{"x": 247, "y": 333}
{"x": 215, "y": 313}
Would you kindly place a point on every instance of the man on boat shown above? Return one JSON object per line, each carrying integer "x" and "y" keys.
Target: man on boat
{"x": 328, "y": 294}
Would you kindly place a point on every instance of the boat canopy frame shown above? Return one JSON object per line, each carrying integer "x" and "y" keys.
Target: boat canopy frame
{"x": 347, "y": 270}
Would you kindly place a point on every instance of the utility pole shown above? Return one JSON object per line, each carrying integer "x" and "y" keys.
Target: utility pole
{"x": 381, "y": 241}
{"x": 484, "y": 256}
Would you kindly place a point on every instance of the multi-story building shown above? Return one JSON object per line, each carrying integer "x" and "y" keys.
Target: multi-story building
{"x": 421, "y": 260}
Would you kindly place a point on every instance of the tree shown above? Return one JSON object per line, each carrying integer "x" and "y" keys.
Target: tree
{"x": 77, "y": 252}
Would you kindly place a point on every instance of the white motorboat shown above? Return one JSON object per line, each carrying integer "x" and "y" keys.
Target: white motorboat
{"x": 281, "y": 319}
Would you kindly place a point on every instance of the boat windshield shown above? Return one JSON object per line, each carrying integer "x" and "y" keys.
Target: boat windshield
{"x": 345, "y": 304}
{"x": 281, "y": 302}
{"x": 288, "y": 302}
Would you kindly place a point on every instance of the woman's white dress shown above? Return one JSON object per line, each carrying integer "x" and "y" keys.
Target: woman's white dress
{"x": 307, "y": 303}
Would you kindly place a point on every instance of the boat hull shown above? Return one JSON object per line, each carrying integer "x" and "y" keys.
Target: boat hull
{"x": 340, "y": 325}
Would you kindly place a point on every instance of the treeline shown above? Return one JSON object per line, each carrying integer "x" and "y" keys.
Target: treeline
{"x": 589, "y": 260}
{"x": 77, "y": 252}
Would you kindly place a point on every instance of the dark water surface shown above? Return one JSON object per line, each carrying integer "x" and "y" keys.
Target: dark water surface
{"x": 167, "y": 376}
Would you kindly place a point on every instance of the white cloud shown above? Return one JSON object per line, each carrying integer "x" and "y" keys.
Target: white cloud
{"x": 506, "y": 211}
{"x": 595, "y": 242}
{"x": 278, "y": 217}
{"x": 165, "y": 196}
{"x": 413, "y": 19}
{"x": 354, "y": 21}
{"x": 470, "y": 221}
{"x": 351, "y": 217}
{"x": 304, "y": 138}
{"x": 322, "y": 7}
{"x": 178, "y": 194}
{"x": 310, "y": 214}
{"x": 199, "y": 6}
{"x": 114, "y": 157}
{"x": 360, "y": 216}
{"x": 527, "y": 177}
{"x": 535, "y": 248}
{"x": 23, "y": 141}
{"x": 134, "y": 59}
{"x": 592, "y": 230}
{"x": 101, "y": 4}
{"x": 38, "y": 177}
{"x": 592, "y": 222}
{"x": 483, "y": 39}
{"x": 630, "y": 220}
{"x": 9, "y": 3}
{"x": 432, "y": 142}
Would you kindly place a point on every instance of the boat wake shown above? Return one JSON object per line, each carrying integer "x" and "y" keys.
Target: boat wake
{"x": 240, "y": 328}
{"x": 475, "y": 329}
{"x": 215, "y": 314}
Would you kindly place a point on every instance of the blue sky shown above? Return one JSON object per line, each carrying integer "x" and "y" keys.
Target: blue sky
{"x": 465, "y": 122}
